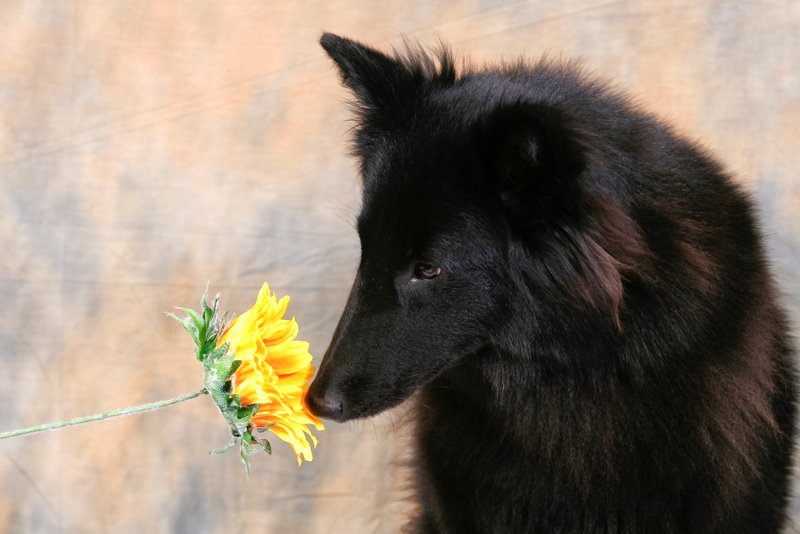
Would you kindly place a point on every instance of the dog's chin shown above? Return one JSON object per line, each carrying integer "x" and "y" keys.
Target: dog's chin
{"x": 363, "y": 408}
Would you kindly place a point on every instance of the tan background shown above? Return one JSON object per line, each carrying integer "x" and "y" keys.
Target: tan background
{"x": 147, "y": 147}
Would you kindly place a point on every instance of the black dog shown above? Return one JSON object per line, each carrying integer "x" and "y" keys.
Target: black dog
{"x": 579, "y": 296}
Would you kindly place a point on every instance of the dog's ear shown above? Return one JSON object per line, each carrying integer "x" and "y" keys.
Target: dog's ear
{"x": 373, "y": 76}
{"x": 532, "y": 158}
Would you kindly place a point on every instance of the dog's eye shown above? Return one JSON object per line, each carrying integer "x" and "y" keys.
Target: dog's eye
{"x": 423, "y": 271}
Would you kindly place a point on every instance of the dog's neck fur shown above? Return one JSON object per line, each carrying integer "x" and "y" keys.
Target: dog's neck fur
{"x": 567, "y": 431}
{"x": 465, "y": 434}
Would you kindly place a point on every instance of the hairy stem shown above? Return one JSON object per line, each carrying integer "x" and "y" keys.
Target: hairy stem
{"x": 104, "y": 415}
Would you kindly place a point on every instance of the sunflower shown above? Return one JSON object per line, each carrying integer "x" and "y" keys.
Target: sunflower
{"x": 274, "y": 372}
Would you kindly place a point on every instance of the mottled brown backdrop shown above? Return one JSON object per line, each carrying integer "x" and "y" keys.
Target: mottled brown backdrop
{"x": 147, "y": 147}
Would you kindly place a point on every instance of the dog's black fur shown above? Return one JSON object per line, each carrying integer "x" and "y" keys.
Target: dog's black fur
{"x": 580, "y": 297}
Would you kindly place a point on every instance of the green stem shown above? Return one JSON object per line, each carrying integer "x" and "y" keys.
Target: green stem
{"x": 105, "y": 415}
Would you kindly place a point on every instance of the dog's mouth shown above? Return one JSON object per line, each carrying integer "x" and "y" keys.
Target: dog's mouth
{"x": 369, "y": 407}
{"x": 357, "y": 404}
{"x": 357, "y": 398}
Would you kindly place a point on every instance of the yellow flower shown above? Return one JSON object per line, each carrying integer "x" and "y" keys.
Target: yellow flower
{"x": 274, "y": 372}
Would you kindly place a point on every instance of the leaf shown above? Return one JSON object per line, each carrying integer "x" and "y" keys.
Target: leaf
{"x": 224, "y": 449}
{"x": 207, "y": 346}
{"x": 189, "y": 327}
{"x": 246, "y": 462}
{"x": 219, "y": 352}
{"x": 186, "y": 323}
{"x": 198, "y": 322}
{"x": 246, "y": 412}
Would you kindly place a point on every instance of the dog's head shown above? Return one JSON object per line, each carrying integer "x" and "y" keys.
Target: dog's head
{"x": 462, "y": 178}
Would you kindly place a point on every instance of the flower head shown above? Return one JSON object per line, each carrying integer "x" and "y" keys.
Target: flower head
{"x": 274, "y": 372}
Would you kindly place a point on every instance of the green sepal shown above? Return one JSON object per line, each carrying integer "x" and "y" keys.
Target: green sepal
{"x": 219, "y": 364}
{"x": 223, "y": 450}
{"x": 246, "y": 412}
{"x": 208, "y": 346}
{"x": 208, "y": 313}
{"x": 187, "y": 325}
{"x": 196, "y": 320}
{"x": 245, "y": 456}
{"x": 220, "y": 351}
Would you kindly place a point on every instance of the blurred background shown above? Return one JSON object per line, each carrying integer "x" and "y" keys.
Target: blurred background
{"x": 148, "y": 147}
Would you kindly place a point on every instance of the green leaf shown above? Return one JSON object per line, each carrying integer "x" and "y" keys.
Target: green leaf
{"x": 208, "y": 313}
{"x": 198, "y": 322}
{"x": 246, "y": 412}
{"x": 246, "y": 462}
{"x": 186, "y": 323}
{"x": 206, "y": 346}
{"x": 224, "y": 449}
{"x": 189, "y": 327}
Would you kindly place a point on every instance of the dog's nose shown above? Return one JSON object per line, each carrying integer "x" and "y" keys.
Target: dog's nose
{"x": 327, "y": 404}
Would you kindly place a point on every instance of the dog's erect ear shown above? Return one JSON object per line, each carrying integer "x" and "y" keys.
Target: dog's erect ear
{"x": 373, "y": 76}
{"x": 532, "y": 158}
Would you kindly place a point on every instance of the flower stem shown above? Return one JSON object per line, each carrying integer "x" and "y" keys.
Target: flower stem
{"x": 105, "y": 415}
